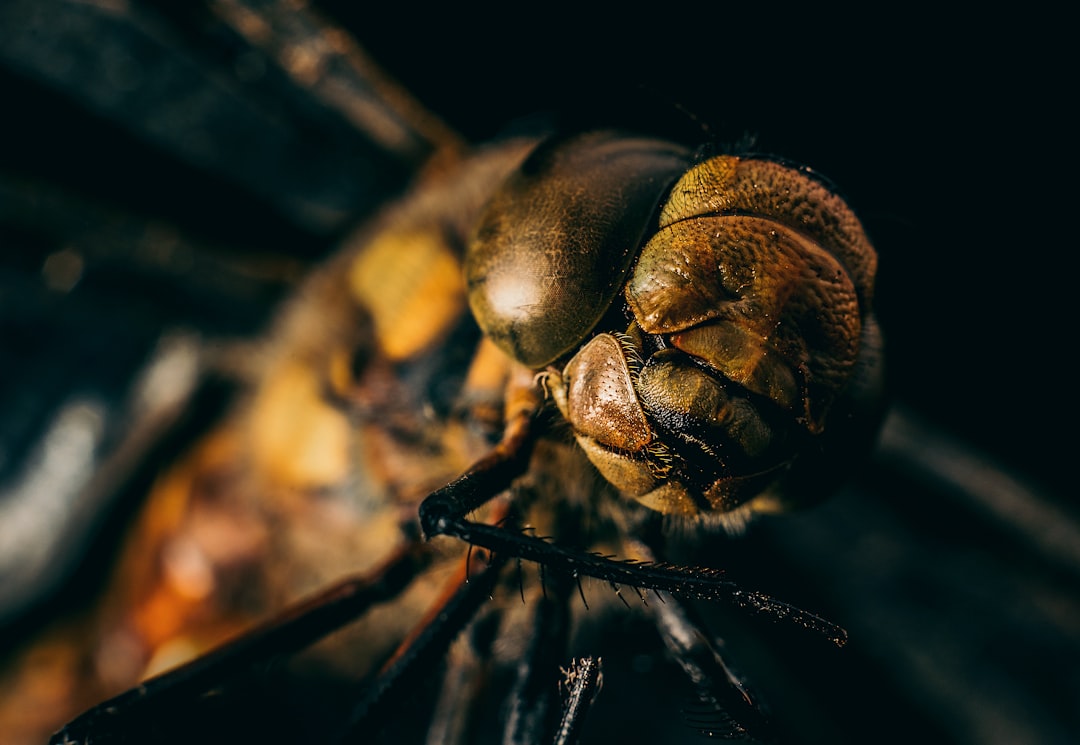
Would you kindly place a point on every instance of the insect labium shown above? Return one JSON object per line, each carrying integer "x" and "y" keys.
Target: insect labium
{"x": 614, "y": 340}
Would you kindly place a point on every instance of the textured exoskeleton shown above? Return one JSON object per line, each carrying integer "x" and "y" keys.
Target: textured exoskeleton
{"x": 704, "y": 327}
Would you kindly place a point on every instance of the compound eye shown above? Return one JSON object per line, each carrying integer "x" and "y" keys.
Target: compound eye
{"x": 556, "y": 242}
{"x": 754, "y": 293}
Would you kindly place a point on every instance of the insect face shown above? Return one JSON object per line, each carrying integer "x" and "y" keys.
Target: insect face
{"x": 711, "y": 342}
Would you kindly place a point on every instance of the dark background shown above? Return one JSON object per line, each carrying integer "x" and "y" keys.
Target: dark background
{"x": 948, "y": 135}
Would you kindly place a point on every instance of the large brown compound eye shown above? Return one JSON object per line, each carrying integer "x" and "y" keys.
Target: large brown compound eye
{"x": 751, "y": 365}
{"x": 759, "y": 303}
{"x": 556, "y": 242}
{"x": 763, "y": 273}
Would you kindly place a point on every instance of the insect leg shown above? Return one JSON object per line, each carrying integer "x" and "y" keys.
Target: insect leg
{"x": 443, "y": 513}
{"x": 725, "y": 695}
{"x": 296, "y": 627}
{"x": 422, "y": 650}
{"x": 699, "y": 583}
{"x": 532, "y": 714}
{"x": 491, "y": 475}
{"x": 583, "y": 682}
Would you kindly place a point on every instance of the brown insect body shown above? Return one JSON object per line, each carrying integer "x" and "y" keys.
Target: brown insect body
{"x": 704, "y": 330}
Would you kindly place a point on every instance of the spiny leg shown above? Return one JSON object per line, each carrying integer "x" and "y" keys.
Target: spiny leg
{"x": 423, "y": 649}
{"x": 582, "y": 682}
{"x": 728, "y": 702}
{"x": 444, "y": 513}
{"x": 533, "y": 712}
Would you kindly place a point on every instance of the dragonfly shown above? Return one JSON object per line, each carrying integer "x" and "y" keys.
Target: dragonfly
{"x": 378, "y": 388}
{"x": 380, "y": 383}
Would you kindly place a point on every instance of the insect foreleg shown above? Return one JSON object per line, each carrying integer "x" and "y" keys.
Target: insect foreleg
{"x": 490, "y": 476}
{"x": 690, "y": 582}
{"x": 532, "y": 706}
{"x": 728, "y": 701}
